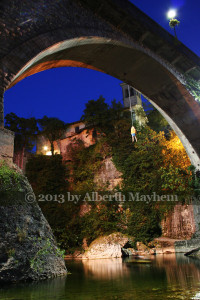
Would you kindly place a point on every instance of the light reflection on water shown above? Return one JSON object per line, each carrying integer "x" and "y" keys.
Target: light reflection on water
{"x": 105, "y": 269}
{"x": 165, "y": 277}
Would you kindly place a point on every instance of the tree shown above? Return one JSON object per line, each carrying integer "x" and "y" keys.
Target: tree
{"x": 141, "y": 163}
{"x": 101, "y": 116}
{"x": 157, "y": 122}
{"x": 47, "y": 174}
{"x": 173, "y": 23}
{"x": 53, "y": 129}
{"x": 116, "y": 109}
{"x": 96, "y": 113}
{"x": 25, "y": 133}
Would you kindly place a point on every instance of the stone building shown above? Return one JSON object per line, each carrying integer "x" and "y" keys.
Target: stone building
{"x": 75, "y": 132}
{"x": 131, "y": 97}
{"x": 132, "y": 100}
{"x": 78, "y": 131}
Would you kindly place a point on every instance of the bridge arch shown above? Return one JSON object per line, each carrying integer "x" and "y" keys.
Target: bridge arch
{"x": 81, "y": 37}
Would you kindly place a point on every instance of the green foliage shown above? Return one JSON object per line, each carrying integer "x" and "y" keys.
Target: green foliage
{"x": 101, "y": 116}
{"x": 144, "y": 222}
{"x": 140, "y": 162}
{"x": 173, "y": 179}
{"x": 150, "y": 165}
{"x": 96, "y": 113}
{"x": 38, "y": 262}
{"x": 47, "y": 174}
{"x": 11, "y": 252}
{"x": 193, "y": 86}
{"x": 85, "y": 163}
{"x": 103, "y": 218}
{"x": 65, "y": 222}
{"x": 157, "y": 122}
{"x": 25, "y": 131}
{"x": 53, "y": 129}
{"x": 194, "y": 181}
{"x": 10, "y": 180}
{"x": 173, "y": 23}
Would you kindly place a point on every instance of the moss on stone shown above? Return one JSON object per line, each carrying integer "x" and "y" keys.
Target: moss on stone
{"x": 10, "y": 179}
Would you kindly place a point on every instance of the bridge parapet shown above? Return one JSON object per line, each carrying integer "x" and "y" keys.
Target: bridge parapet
{"x": 130, "y": 20}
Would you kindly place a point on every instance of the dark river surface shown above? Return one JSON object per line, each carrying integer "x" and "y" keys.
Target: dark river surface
{"x": 165, "y": 277}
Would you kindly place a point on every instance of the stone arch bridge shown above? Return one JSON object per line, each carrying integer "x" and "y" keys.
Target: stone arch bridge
{"x": 112, "y": 36}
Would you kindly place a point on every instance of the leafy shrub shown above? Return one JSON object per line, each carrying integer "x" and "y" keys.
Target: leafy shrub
{"x": 47, "y": 174}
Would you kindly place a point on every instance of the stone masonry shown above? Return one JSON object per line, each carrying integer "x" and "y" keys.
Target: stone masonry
{"x": 112, "y": 36}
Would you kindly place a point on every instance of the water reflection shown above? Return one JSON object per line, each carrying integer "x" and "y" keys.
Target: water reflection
{"x": 165, "y": 277}
{"x": 105, "y": 268}
{"x": 180, "y": 270}
{"x": 48, "y": 289}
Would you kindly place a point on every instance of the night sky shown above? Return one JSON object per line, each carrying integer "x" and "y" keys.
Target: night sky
{"x": 63, "y": 92}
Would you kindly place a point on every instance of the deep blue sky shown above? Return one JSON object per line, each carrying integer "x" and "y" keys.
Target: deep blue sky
{"x": 63, "y": 92}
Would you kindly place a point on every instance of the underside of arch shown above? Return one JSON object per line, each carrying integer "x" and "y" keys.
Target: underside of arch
{"x": 133, "y": 66}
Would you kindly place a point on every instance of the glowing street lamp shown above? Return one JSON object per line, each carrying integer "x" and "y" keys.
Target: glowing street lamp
{"x": 171, "y": 14}
{"x": 173, "y": 22}
{"x": 45, "y": 148}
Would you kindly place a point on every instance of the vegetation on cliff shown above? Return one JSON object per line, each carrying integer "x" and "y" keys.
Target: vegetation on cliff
{"x": 10, "y": 178}
{"x": 157, "y": 163}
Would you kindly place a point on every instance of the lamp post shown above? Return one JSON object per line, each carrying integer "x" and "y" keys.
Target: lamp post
{"x": 173, "y": 22}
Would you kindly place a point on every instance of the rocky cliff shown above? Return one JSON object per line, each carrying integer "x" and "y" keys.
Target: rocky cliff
{"x": 108, "y": 177}
{"x": 28, "y": 250}
{"x": 179, "y": 223}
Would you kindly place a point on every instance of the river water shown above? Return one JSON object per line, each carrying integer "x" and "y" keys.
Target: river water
{"x": 164, "y": 277}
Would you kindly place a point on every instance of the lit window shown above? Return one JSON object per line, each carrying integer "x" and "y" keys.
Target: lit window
{"x": 48, "y": 153}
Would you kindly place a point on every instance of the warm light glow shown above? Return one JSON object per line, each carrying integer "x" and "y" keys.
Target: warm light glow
{"x": 171, "y": 14}
{"x": 48, "y": 153}
{"x": 45, "y": 148}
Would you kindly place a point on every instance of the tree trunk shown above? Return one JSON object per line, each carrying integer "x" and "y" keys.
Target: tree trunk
{"x": 52, "y": 148}
{"x": 175, "y": 32}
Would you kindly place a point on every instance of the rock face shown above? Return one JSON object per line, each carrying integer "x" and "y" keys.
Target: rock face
{"x": 28, "y": 249}
{"x": 106, "y": 247}
{"x": 180, "y": 223}
{"x": 108, "y": 176}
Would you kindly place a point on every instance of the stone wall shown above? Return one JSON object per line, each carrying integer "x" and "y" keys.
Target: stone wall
{"x": 91, "y": 34}
{"x": 64, "y": 146}
{"x": 6, "y": 145}
{"x": 180, "y": 223}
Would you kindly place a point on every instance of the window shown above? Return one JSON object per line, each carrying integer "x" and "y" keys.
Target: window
{"x": 126, "y": 93}
{"x": 132, "y": 91}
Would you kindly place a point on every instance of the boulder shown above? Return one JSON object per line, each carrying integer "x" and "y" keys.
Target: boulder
{"x": 28, "y": 250}
{"x": 193, "y": 253}
{"x": 106, "y": 247}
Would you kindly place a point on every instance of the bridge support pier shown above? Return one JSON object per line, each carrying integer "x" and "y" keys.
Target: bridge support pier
{"x": 6, "y": 137}
{"x": 6, "y": 145}
{"x": 1, "y": 111}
